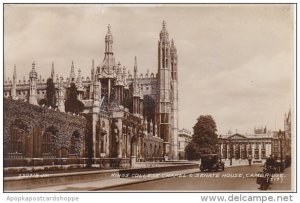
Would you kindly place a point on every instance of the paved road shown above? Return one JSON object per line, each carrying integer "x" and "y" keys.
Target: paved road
{"x": 233, "y": 179}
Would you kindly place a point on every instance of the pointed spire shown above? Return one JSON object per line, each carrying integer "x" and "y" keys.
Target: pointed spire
{"x": 173, "y": 49}
{"x": 79, "y": 73}
{"x": 32, "y": 85}
{"x": 79, "y": 79}
{"x": 124, "y": 70}
{"x": 33, "y": 65}
{"x": 72, "y": 73}
{"x": 15, "y": 73}
{"x": 14, "y": 85}
{"x": 120, "y": 80}
{"x": 108, "y": 35}
{"x": 61, "y": 104}
{"x": 52, "y": 71}
{"x": 93, "y": 65}
{"x": 135, "y": 65}
{"x": 124, "y": 76}
{"x": 164, "y": 24}
{"x": 164, "y": 33}
{"x": 108, "y": 41}
{"x": 136, "y": 92}
{"x": 119, "y": 70}
{"x": 93, "y": 71}
{"x": 135, "y": 70}
{"x": 33, "y": 73}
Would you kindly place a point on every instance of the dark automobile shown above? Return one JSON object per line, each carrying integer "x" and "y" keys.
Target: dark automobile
{"x": 211, "y": 162}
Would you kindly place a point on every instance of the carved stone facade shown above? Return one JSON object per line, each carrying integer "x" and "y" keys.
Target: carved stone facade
{"x": 282, "y": 140}
{"x": 128, "y": 116}
{"x": 36, "y": 135}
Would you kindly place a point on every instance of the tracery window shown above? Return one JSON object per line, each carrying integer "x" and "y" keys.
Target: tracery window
{"x": 17, "y": 141}
{"x": 49, "y": 141}
{"x": 74, "y": 142}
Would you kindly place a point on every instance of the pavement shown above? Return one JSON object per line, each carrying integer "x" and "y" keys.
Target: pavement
{"x": 283, "y": 183}
{"x": 160, "y": 181}
{"x": 233, "y": 179}
{"x": 105, "y": 183}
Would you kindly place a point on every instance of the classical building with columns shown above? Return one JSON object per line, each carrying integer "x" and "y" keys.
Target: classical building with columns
{"x": 238, "y": 146}
{"x": 128, "y": 115}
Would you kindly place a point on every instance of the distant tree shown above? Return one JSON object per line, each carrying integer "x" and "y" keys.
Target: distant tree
{"x": 205, "y": 138}
{"x": 50, "y": 93}
{"x": 72, "y": 104}
{"x": 192, "y": 151}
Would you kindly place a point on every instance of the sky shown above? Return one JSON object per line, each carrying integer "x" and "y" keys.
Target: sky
{"x": 235, "y": 62}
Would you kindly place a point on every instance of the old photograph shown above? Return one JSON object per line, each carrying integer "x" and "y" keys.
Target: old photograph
{"x": 149, "y": 97}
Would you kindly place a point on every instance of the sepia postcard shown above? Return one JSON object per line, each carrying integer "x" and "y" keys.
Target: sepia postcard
{"x": 149, "y": 98}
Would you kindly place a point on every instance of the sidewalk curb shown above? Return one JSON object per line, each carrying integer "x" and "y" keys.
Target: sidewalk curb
{"x": 136, "y": 182}
{"x": 149, "y": 180}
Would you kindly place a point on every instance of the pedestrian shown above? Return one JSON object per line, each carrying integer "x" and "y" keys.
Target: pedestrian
{"x": 250, "y": 159}
{"x": 271, "y": 161}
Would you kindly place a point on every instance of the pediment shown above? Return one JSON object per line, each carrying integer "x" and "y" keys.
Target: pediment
{"x": 237, "y": 136}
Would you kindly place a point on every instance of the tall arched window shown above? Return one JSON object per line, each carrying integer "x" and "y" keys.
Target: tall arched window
{"x": 16, "y": 146}
{"x": 74, "y": 142}
{"x": 49, "y": 141}
{"x": 17, "y": 141}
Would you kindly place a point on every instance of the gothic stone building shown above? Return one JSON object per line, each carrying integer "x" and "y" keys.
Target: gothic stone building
{"x": 282, "y": 140}
{"x": 128, "y": 115}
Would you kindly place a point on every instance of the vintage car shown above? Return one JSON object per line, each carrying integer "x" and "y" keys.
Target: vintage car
{"x": 211, "y": 162}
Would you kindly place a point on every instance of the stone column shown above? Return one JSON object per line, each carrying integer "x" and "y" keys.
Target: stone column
{"x": 228, "y": 151}
{"x": 241, "y": 150}
{"x": 253, "y": 151}
{"x": 259, "y": 151}
{"x": 120, "y": 133}
{"x": 233, "y": 153}
{"x": 221, "y": 150}
{"x": 94, "y": 131}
